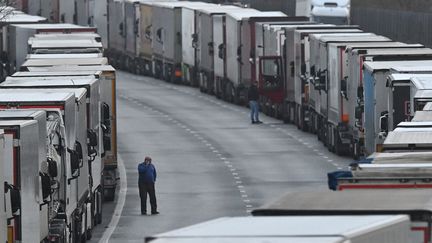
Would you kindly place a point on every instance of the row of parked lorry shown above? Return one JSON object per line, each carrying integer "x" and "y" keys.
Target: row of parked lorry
{"x": 58, "y": 151}
{"x": 327, "y": 79}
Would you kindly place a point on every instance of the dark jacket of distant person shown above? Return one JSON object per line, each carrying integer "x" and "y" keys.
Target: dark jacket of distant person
{"x": 147, "y": 173}
{"x": 253, "y": 94}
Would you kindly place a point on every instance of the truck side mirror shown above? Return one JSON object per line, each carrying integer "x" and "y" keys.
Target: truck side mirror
{"x": 360, "y": 92}
{"x": 78, "y": 149}
{"x": 221, "y": 51}
{"x": 383, "y": 121}
{"x": 92, "y": 138}
{"x": 210, "y": 49}
{"x": 52, "y": 167}
{"x": 15, "y": 197}
{"x": 46, "y": 185}
{"x": 179, "y": 38}
{"x": 292, "y": 69}
{"x": 344, "y": 88}
{"x": 312, "y": 71}
{"x": 147, "y": 32}
{"x": 136, "y": 27}
{"x": 358, "y": 112}
{"x": 121, "y": 29}
{"x": 303, "y": 69}
{"x": 159, "y": 35}
{"x": 74, "y": 160}
{"x": 195, "y": 40}
{"x": 105, "y": 113}
{"x": 239, "y": 54}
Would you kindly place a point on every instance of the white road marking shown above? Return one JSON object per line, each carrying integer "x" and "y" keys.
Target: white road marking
{"x": 119, "y": 205}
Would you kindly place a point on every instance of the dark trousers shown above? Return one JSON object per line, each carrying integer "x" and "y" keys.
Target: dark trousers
{"x": 149, "y": 188}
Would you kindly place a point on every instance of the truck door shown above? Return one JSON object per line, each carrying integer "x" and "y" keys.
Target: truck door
{"x": 270, "y": 73}
{"x": 401, "y": 104}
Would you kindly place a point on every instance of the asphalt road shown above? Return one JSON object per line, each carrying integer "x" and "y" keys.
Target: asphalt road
{"x": 211, "y": 161}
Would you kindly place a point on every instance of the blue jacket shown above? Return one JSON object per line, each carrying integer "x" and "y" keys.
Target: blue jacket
{"x": 147, "y": 173}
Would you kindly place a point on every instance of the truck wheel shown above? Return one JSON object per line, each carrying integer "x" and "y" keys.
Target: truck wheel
{"x": 89, "y": 234}
{"x": 109, "y": 195}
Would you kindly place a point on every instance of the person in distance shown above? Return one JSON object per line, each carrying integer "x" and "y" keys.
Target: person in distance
{"x": 146, "y": 184}
{"x": 253, "y": 96}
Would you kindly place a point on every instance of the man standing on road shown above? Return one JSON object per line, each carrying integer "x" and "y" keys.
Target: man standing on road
{"x": 146, "y": 184}
{"x": 253, "y": 97}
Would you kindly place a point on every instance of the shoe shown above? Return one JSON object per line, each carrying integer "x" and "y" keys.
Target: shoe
{"x": 143, "y": 213}
{"x": 253, "y": 122}
{"x": 154, "y": 213}
{"x": 259, "y": 122}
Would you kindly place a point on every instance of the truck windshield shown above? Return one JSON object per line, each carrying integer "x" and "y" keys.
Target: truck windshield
{"x": 338, "y": 20}
{"x": 271, "y": 73}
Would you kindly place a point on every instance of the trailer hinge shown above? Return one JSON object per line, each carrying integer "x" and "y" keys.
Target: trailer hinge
{"x": 16, "y": 142}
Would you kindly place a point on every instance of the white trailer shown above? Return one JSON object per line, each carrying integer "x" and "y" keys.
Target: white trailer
{"x": 355, "y": 59}
{"x": 22, "y": 180}
{"x": 240, "y": 41}
{"x": 398, "y": 104}
{"x": 93, "y": 13}
{"x": 64, "y": 113}
{"x": 208, "y": 50}
{"x": 107, "y": 78}
{"x": 299, "y": 42}
{"x": 94, "y": 133}
{"x": 16, "y": 17}
{"x": 116, "y": 33}
{"x": 320, "y": 58}
{"x": 57, "y": 46}
{"x": 355, "y": 229}
{"x": 190, "y": 32}
{"x": 359, "y": 202}
{"x": 167, "y": 39}
{"x": 19, "y": 35}
{"x": 220, "y": 51}
{"x": 376, "y": 94}
{"x": 57, "y": 11}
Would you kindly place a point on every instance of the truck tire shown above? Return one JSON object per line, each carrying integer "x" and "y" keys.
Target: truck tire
{"x": 109, "y": 194}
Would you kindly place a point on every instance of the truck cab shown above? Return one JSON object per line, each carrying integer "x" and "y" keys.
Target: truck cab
{"x": 330, "y": 12}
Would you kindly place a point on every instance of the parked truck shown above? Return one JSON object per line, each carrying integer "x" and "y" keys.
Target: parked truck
{"x": 23, "y": 182}
{"x": 190, "y": 30}
{"x": 359, "y": 202}
{"x": 299, "y": 71}
{"x": 94, "y": 138}
{"x": 66, "y": 121}
{"x": 355, "y": 229}
{"x": 116, "y": 33}
{"x": 19, "y": 35}
{"x": 329, "y": 111}
{"x": 240, "y": 49}
{"x": 208, "y": 49}
{"x": 376, "y": 95}
{"x": 93, "y": 13}
{"x": 107, "y": 78}
{"x": 167, "y": 39}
